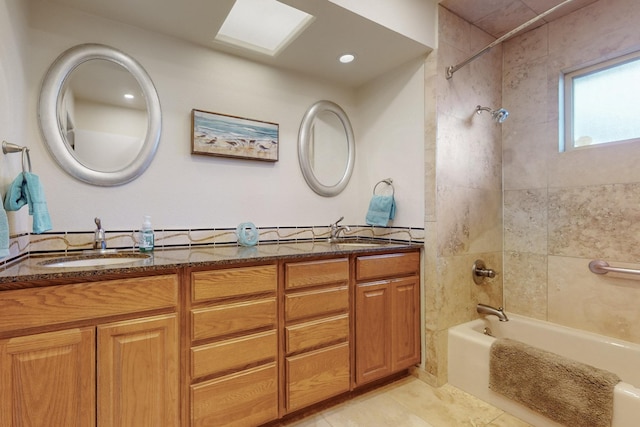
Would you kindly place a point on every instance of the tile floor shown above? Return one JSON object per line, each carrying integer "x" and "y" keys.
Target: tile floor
{"x": 410, "y": 402}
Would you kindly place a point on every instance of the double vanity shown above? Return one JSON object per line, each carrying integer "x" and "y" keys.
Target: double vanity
{"x": 204, "y": 336}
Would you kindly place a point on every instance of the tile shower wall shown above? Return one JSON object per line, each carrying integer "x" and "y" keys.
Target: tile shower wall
{"x": 561, "y": 210}
{"x": 463, "y": 185}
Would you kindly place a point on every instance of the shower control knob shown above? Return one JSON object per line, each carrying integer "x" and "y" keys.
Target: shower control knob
{"x": 480, "y": 271}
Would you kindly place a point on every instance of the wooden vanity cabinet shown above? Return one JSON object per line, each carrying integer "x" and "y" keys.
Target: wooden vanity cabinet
{"x": 387, "y": 315}
{"x": 316, "y": 331}
{"x": 88, "y": 368}
{"x": 233, "y": 346}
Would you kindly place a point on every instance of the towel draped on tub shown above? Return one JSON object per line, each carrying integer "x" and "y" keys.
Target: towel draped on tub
{"x": 569, "y": 392}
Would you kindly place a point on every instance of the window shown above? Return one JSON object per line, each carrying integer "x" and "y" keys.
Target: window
{"x": 602, "y": 103}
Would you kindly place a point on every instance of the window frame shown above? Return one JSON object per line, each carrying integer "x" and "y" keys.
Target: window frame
{"x": 566, "y": 100}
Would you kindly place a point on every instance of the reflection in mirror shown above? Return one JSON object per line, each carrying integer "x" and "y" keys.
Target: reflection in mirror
{"x": 94, "y": 133}
{"x": 103, "y": 115}
{"x": 329, "y": 156}
{"x": 326, "y": 148}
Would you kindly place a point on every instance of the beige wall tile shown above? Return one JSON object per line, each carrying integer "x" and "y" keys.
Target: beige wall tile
{"x": 592, "y": 24}
{"x": 596, "y": 221}
{"x": 525, "y": 221}
{"x": 527, "y": 148}
{"x": 525, "y": 284}
{"x": 525, "y": 92}
{"x": 531, "y": 46}
{"x": 603, "y": 304}
{"x": 595, "y": 166}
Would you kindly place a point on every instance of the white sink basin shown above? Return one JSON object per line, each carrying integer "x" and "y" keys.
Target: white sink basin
{"x": 93, "y": 260}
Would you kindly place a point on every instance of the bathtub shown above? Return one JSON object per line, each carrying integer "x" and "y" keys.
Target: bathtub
{"x": 469, "y": 362}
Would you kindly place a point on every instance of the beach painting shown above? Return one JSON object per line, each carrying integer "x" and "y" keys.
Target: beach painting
{"x": 214, "y": 134}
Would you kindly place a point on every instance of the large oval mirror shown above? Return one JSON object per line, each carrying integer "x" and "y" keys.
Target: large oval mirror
{"x": 100, "y": 115}
{"x": 326, "y": 148}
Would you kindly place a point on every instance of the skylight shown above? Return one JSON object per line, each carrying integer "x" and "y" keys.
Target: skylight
{"x": 265, "y": 26}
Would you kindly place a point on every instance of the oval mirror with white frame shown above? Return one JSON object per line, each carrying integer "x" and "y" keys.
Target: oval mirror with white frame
{"x": 326, "y": 148}
{"x": 100, "y": 115}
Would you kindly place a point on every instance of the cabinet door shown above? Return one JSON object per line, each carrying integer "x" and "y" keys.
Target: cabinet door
{"x": 138, "y": 373}
{"x": 373, "y": 328}
{"x": 48, "y": 379}
{"x": 405, "y": 321}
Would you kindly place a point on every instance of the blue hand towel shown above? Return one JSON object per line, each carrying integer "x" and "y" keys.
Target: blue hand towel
{"x": 26, "y": 189}
{"x": 4, "y": 234}
{"x": 382, "y": 209}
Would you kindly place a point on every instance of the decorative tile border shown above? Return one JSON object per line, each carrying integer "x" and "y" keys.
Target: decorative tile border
{"x": 72, "y": 241}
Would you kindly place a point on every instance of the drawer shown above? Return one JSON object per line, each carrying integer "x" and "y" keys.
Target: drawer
{"x": 248, "y": 398}
{"x": 29, "y": 308}
{"x": 316, "y": 376}
{"x": 313, "y": 273}
{"x": 388, "y": 265}
{"x": 228, "y": 319}
{"x": 315, "y": 303}
{"x": 233, "y": 282}
{"x": 314, "y": 334}
{"x": 231, "y": 354}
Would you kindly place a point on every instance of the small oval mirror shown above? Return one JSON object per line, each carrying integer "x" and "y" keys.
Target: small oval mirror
{"x": 326, "y": 148}
{"x": 100, "y": 115}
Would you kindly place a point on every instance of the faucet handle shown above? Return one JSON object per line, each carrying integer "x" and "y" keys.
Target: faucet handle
{"x": 98, "y": 222}
{"x": 340, "y": 219}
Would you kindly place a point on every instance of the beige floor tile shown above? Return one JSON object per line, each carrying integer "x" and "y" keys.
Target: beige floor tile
{"x": 410, "y": 402}
{"x": 378, "y": 410}
{"x": 312, "y": 421}
{"x": 445, "y": 406}
{"x": 507, "y": 420}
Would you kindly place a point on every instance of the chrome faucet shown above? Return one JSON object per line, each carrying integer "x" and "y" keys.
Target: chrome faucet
{"x": 487, "y": 309}
{"x": 99, "y": 237}
{"x": 337, "y": 229}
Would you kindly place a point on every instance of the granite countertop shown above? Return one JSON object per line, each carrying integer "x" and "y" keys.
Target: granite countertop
{"x": 30, "y": 269}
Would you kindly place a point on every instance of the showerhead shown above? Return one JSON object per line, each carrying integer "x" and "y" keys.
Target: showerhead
{"x": 498, "y": 116}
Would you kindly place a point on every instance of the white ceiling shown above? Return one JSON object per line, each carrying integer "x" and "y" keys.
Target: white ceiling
{"x": 315, "y": 52}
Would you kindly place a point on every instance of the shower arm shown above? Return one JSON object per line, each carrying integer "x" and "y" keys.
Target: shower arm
{"x": 453, "y": 68}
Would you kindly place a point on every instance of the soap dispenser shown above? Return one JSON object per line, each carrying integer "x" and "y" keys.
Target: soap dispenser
{"x": 147, "y": 239}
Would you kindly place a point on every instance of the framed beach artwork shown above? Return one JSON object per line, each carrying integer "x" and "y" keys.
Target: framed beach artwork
{"x": 214, "y": 134}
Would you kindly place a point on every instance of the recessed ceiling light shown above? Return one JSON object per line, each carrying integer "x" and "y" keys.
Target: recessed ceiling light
{"x": 346, "y": 58}
{"x": 128, "y": 96}
{"x": 265, "y": 26}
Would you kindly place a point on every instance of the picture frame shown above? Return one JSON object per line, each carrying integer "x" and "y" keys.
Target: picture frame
{"x": 222, "y": 135}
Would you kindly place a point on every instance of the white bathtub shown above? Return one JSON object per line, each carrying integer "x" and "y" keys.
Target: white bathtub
{"x": 469, "y": 362}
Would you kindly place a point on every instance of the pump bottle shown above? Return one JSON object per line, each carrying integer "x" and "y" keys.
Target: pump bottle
{"x": 147, "y": 239}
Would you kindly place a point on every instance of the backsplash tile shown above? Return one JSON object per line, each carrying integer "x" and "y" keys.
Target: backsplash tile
{"x": 25, "y": 244}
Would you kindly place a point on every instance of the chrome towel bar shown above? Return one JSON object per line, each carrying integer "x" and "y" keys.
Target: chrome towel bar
{"x": 598, "y": 266}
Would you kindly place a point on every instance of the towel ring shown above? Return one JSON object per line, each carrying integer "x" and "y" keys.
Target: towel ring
{"x": 387, "y": 181}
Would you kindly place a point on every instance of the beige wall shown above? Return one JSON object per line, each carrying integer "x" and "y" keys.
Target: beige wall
{"x": 561, "y": 210}
{"x": 180, "y": 190}
{"x": 463, "y": 186}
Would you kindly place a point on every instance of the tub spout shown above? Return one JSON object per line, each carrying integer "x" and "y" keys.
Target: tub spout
{"x": 487, "y": 309}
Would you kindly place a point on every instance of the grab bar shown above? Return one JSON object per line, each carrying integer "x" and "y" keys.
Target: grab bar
{"x": 598, "y": 266}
